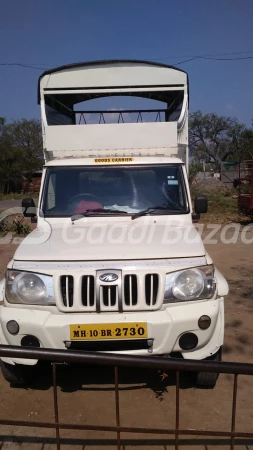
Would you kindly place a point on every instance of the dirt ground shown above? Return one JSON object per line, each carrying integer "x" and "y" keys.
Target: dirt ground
{"x": 86, "y": 395}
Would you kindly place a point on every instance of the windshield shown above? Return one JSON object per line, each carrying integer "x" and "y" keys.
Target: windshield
{"x": 114, "y": 190}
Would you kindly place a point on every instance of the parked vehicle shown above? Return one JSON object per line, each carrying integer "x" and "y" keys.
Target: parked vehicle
{"x": 115, "y": 263}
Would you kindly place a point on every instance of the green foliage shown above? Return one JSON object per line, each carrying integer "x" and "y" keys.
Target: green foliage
{"x": 21, "y": 150}
{"x": 216, "y": 138}
{"x": 193, "y": 170}
{"x": 244, "y": 187}
{"x": 2, "y": 122}
{"x": 17, "y": 227}
{"x": 222, "y": 206}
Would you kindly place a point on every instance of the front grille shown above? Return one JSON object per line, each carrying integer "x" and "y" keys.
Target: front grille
{"x": 88, "y": 291}
{"x": 151, "y": 288}
{"x": 130, "y": 290}
{"x": 67, "y": 290}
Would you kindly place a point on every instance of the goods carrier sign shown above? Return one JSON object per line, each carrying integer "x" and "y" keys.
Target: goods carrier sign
{"x": 113, "y": 160}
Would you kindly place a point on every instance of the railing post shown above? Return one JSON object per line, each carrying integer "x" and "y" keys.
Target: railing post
{"x": 56, "y": 410}
{"x": 177, "y": 410}
{"x": 234, "y": 411}
{"x": 116, "y": 378}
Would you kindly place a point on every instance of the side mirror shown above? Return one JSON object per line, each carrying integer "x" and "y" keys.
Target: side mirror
{"x": 201, "y": 204}
{"x": 28, "y": 207}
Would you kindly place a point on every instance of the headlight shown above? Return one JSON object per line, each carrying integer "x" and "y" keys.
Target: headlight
{"x": 189, "y": 284}
{"x": 29, "y": 288}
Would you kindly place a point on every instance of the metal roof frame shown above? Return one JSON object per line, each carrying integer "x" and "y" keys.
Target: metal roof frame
{"x": 104, "y": 62}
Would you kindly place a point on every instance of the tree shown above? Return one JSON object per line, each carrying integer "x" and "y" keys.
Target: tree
{"x": 2, "y": 122}
{"x": 193, "y": 170}
{"x": 27, "y": 138}
{"x": 243, "y": 144}
{"x": 20, "y": 150}
{"x": 248, "y": 143}
{"x": 9, "y": 158}
{"x": 209, "y": 137}
{"x": 216, "y": 138}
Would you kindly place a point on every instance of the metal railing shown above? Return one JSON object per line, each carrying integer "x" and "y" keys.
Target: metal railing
{"x": 120, "y": 116}
{"x": 116, "y": 360}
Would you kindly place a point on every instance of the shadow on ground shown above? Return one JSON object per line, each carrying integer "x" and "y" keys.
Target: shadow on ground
{"x": 27, "y": 442}
{"x": 72, "y": 378}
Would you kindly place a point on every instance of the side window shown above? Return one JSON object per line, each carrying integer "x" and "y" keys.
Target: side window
{"x": 51, "y": 192}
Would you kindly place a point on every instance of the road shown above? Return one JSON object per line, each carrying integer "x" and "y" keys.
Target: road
{"x": 6, "y": 204}
{"x": 86, "y": 395}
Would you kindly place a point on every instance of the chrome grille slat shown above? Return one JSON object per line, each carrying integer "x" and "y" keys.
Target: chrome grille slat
{"x": 151, "y": 288}
{"x": 130, "y": 290}
{"x": 67, "y": 290}
{"x": 88, "y": 291}
{"x": 108, "y": 297}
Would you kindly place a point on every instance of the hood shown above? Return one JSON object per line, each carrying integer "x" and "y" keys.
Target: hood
{"x": 97, "y": 241}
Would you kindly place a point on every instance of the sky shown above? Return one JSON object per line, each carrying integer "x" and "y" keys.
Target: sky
{"x": 55, "y": 32}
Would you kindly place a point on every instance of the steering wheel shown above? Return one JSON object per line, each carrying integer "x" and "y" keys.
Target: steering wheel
{"x": 83, "y": 196}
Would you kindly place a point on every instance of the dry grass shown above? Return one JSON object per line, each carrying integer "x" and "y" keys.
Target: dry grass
{"x": 16, "y": 196}
{"x": 222, "y": 206}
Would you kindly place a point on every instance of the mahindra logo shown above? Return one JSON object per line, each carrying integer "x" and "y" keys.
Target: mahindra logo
{"x": 108, "y": 277}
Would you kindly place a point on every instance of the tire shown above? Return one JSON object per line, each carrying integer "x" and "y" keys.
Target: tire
{"x": 17, "y": 374}
{"x": 207, "y": 380}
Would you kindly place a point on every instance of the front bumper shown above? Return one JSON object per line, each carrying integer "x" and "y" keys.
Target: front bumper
{"x": 164, "y": 327}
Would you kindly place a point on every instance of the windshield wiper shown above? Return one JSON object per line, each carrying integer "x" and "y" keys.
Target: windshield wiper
{"x": 90, "y": 212}
{"x": 146, "y": 211}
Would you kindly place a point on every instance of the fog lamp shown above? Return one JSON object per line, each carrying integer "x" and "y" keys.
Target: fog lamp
{"x": 204, "y": 322}
{"x": 13, "y": 327}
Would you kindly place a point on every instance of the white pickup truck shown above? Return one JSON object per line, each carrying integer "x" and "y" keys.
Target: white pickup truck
{"x": 115, "y": 263}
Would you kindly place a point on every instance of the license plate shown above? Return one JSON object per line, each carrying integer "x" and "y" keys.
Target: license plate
{"x": 108, "y": 331}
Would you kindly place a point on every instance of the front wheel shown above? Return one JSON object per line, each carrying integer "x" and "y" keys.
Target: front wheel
{"x": 207, "y": 380}
{"x": 17, "y": 374}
